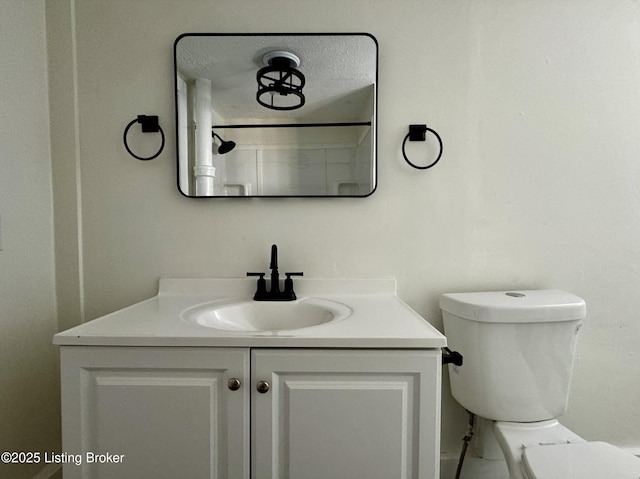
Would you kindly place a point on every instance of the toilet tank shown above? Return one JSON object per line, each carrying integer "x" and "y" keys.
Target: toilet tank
{"x": 518, "y": 350}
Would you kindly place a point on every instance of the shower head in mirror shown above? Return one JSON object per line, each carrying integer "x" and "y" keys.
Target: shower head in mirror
{"x": 225, "y": 146}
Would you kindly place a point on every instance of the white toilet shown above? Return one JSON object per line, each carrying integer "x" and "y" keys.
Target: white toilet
{"x": 518, "y": 350}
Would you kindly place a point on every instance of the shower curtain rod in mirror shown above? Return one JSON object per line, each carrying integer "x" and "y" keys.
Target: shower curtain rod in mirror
{"x": 294, "y": 125}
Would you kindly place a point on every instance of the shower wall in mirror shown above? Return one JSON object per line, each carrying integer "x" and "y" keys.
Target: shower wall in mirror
{"x": 276, "y": 114}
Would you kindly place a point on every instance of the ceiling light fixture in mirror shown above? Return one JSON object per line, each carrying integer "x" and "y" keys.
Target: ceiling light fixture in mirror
{"x": 279, "y": 83}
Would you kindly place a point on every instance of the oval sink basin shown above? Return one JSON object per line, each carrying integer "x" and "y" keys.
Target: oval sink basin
{"x": 255, "y": 316}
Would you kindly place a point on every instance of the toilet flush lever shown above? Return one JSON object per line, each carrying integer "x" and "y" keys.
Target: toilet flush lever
{"x": 451, "y": 357}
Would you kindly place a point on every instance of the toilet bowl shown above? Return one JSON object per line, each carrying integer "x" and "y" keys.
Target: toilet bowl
{"x": 549, "y": 450}
{"x": 518, "y": 350}
{"x": 588, "y": 460}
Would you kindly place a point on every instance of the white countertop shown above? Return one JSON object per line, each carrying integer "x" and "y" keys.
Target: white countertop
{"x": 379, "y": 318}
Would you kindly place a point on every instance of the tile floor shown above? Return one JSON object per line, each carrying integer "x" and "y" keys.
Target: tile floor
{"x": 475, "y": 468}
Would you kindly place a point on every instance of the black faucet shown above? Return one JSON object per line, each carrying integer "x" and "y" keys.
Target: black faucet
{"x": 273, "y": 266}
{"x": 274, "y": 294}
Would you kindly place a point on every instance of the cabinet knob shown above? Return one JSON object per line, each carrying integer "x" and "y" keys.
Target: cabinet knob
{"x": 262, "y": 387}
{"x": 234, "y": 384}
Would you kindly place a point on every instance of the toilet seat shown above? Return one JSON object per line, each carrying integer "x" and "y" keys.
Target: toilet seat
{"x": 587, "y": 460}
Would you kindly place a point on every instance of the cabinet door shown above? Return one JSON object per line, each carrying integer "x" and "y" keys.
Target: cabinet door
{"x": 345, "y": 414}
{"x": 168, "y": 412}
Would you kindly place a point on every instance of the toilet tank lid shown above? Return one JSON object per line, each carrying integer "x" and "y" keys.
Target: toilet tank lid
{"x": 529, "y": 306}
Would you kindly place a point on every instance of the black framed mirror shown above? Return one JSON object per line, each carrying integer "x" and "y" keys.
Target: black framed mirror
{"x": 268, "y": 115}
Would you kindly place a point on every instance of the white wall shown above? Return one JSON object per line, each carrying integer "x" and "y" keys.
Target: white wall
{"x": 537, "y": 104}
{"x": 29, "y": 385}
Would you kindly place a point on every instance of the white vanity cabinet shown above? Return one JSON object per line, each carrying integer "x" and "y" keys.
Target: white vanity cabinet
{"x": 297, "y": 413}
{"x": 167, "y": 411}
{"x": 345, "y": 414}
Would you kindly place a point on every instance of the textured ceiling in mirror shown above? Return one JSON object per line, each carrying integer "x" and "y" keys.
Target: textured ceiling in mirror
{"x": 339, "y": 71}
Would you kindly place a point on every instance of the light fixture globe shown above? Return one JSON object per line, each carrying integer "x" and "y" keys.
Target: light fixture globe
{"x": 279, "y": 82}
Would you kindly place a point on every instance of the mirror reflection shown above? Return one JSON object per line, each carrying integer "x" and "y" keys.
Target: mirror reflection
{"x": 276, "y": 114}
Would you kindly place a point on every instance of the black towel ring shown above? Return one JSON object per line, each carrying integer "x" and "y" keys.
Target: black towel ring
{"x": 418, "y": 133}
{"x": 149, "y": 125}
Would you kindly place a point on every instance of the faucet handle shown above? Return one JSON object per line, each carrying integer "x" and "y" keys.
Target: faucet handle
{"x": 261, "y": 290}
{"x": 288, "y": 293}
